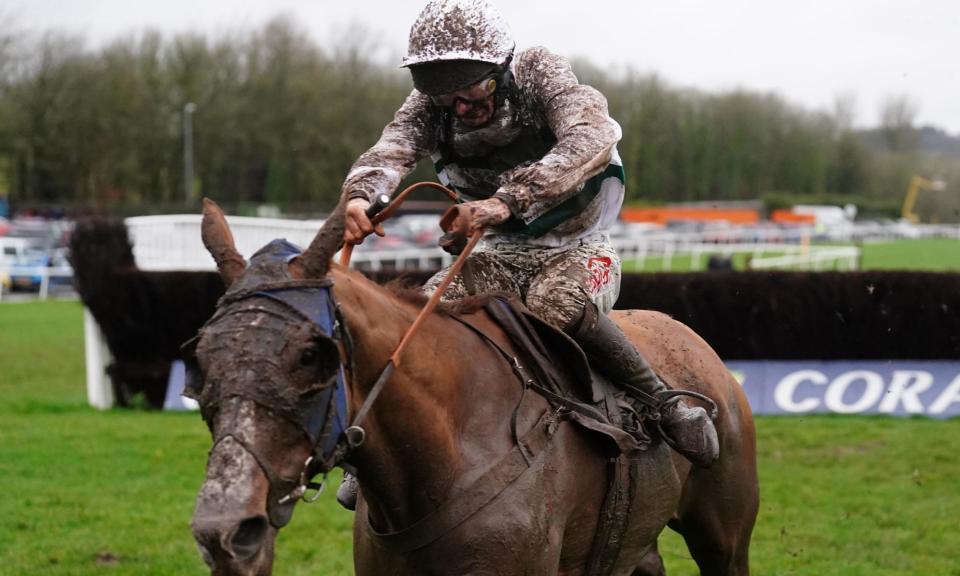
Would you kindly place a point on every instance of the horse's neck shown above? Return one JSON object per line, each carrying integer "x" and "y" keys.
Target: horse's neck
{"x": 410, "y": 454}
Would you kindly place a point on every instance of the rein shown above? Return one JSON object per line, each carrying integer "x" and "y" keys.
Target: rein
{"x": 394, "y": 360}
{"x": 379, "y": 211}
{"x": 384, "y": 206}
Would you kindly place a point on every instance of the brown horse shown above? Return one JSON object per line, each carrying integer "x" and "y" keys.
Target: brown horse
{"x": 430, "y": 505}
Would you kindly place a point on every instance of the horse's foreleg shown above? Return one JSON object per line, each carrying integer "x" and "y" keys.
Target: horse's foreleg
{"x": 650, "y": 565}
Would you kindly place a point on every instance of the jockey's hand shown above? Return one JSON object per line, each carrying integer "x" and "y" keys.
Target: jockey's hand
{"x": 463, "y": 220}
{"x": 358, "y": 225}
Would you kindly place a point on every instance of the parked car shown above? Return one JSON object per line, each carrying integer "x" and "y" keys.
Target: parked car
{"x": 21, "y": 260}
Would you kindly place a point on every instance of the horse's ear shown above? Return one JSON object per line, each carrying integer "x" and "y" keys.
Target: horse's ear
{"x": 219, "y": 242}
{"x": 316, "y": 258}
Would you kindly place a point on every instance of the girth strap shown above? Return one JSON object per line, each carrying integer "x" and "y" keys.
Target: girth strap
{"x": 475, "y": 497}
{"x": 614, "y": 516}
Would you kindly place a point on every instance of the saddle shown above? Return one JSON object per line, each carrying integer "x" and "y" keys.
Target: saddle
{"x": 561, "y": 373}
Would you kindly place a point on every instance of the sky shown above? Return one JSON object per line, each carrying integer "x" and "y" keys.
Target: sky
{"x": 813, "y": 52}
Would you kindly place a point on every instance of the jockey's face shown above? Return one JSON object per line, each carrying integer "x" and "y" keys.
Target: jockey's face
{"x": 472, "y": 105}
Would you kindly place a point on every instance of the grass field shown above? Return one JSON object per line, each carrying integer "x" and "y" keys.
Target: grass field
{"x": 929, "y": 254}
{"x": 87, "y": 492}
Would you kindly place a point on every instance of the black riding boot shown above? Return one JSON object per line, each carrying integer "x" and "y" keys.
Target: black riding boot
{"x": 689, "y": 430}
{"x": 347, "y": 491}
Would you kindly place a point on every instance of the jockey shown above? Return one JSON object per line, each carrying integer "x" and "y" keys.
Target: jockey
{"x": 532, "y": 155}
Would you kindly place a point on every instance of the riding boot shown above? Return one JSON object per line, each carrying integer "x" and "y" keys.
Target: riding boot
{"x": 689, "y": 430}
{"x": 347, "y": 491}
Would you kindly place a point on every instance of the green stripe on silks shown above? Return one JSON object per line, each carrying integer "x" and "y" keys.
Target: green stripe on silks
{"x": 567, "y": 209}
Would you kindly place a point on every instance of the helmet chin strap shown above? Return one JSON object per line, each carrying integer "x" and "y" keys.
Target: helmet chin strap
{"x": 505, "y": 84}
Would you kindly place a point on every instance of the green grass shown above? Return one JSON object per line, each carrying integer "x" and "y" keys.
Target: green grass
{"x": 88, "y": 492}
{"x": 852, "y": 496}
{"x": 928, "y": 254}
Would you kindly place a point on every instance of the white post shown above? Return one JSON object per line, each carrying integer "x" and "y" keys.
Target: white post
{"x": 44, "y": 283}
{"x": 97, "y": 355}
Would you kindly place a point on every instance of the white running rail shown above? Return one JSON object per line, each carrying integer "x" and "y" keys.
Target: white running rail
{"x": 173, "y": 242}
{"x": 816, "y": 258}
{"x": 765, "y": 256}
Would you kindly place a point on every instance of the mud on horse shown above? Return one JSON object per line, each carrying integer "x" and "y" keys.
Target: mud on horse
{"x": 461, "y": 471}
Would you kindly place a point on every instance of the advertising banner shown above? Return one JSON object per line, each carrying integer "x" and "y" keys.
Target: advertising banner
{"x": 899, "y": 388}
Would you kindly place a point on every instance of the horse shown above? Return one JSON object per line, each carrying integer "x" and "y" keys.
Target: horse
{"x": 460, "y": 471}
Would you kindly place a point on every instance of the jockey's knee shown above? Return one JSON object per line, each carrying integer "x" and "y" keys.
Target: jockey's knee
{"x": 559, "y": 312}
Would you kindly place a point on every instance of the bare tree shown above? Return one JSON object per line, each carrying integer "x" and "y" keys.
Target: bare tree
{"x": 896, "y": 123}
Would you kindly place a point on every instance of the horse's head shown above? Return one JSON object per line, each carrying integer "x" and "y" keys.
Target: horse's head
{"x": 266, "y": 370}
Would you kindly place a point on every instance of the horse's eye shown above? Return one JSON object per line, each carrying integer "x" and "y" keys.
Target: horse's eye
{"x": 193, "y": 385}
{"x": 319, "y": 358}
{"x": 309, "y": 357}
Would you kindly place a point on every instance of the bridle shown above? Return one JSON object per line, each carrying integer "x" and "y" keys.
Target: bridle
{"x": 322, "y": 419}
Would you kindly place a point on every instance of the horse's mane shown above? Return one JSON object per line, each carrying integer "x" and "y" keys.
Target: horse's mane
{"x": 407, "y": 291}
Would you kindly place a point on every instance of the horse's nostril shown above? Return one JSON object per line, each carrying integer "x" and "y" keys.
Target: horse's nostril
{"x": 205, "y": 554}
{"x": 248, "y": 537}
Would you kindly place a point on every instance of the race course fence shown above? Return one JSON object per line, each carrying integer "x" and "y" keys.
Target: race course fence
{"x": 148, "y": 303}
{"x": 173, "y": 243}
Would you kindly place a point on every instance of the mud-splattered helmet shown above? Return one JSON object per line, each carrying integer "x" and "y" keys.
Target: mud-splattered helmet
{"x": 456, "y": 43}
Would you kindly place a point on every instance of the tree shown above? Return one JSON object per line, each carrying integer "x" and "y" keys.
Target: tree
{"x": 896, "y": 123}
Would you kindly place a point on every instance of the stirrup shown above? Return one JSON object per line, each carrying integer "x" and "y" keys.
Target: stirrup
{"x": 669, "y": 399}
